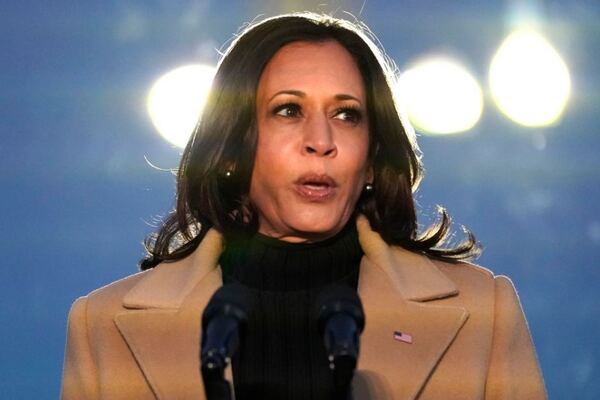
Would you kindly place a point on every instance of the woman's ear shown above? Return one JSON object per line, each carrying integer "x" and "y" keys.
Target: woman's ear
{"x": 370, "y": 175}
{"x": 229, "y": 169}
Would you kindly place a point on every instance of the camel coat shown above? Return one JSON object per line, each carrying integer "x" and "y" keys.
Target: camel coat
{"x": 138, "y": 338}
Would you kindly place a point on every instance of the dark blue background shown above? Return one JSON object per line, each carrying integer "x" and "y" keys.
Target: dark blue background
{"x": 77, "y": 196}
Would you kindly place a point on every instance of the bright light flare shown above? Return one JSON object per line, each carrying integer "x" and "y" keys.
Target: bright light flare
{"x": 529, "y": 80}
{"x": 440, "y": 96}
{"x": 176, "y": 99}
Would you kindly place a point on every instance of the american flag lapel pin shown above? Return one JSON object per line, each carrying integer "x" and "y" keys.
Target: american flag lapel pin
{"x": 403, "y": 337}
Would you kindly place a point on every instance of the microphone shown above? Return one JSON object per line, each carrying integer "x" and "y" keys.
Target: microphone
{"x": 340, "y": 320}
{"x": 223, "y": 322}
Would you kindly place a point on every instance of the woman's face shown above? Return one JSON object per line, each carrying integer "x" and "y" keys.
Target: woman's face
{"x": 313, "y": 141}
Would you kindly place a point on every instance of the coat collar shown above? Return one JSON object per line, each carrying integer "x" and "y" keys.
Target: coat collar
{"x": 414, "y": 276}
{"x": 161, "y": 323}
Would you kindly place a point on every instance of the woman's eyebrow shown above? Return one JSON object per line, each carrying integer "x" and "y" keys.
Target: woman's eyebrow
{"x": 300, "y": 93}
{"x": 347, "y": 97}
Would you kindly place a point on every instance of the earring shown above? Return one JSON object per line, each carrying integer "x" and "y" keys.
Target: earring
{"x": 369, "y": 187}
{"x": 228, "y": 173}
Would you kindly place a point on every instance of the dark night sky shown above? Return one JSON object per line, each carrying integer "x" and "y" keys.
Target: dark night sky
{"x": 78, "y": 196}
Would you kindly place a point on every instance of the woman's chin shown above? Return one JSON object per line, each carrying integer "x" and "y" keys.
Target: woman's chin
{"x": 318, "y": 226}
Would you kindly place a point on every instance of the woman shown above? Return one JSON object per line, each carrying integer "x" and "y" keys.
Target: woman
{"x": 300, "y": 175}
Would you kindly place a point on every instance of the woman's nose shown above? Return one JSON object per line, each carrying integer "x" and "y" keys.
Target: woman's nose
{"x": 318, "y": 138}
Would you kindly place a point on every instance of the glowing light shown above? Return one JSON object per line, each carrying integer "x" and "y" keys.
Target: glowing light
{"x": 529, "y": 80}
{"x": 440, "y": 96}
{"x": 176, "y": 99}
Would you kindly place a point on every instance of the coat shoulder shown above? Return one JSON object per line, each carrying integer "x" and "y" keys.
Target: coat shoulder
{"x": 464, "y": 268}
{"x": 107, "y": 300}
{"x": 468, "y": 277}
{"x": 119, "y": 287}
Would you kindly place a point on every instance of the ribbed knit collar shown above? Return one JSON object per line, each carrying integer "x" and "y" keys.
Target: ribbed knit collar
{"x": 268, "y": 264}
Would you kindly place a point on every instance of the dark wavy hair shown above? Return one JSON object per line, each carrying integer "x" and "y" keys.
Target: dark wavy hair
{"x": 213, "y": 179}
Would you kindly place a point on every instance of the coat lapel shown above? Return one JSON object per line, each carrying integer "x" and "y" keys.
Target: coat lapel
{"x": 166, "y": 345}
{"x": 161, "y": 323}
{"x": 392, "y": 369}
{"x": 393, "y": 284}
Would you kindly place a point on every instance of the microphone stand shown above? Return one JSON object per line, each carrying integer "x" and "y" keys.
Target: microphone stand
{"x": 223, "y": 324}
{"x": 343, "y": 353}
{"x": 341, "y": 320}
{"x": 216, "y": 356}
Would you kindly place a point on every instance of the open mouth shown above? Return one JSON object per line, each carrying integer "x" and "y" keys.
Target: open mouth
{"x": 314, "y": 187}
{"x": 316, "y": 180}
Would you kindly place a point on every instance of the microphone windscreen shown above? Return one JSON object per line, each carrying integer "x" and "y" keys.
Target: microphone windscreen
{"x": 338, "y": 298}
{"x": 233, "y": 299}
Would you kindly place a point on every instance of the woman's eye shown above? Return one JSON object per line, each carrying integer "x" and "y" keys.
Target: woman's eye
{"x": 289, "y": 110}
{"x": 348, "y": 114}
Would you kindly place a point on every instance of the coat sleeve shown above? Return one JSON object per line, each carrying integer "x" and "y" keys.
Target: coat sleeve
{"x": 79, "y": 372}
{"x": 514, "y": 371}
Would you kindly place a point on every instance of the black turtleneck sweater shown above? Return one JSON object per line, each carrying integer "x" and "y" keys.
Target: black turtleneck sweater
{"x": 282, "y": 355}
